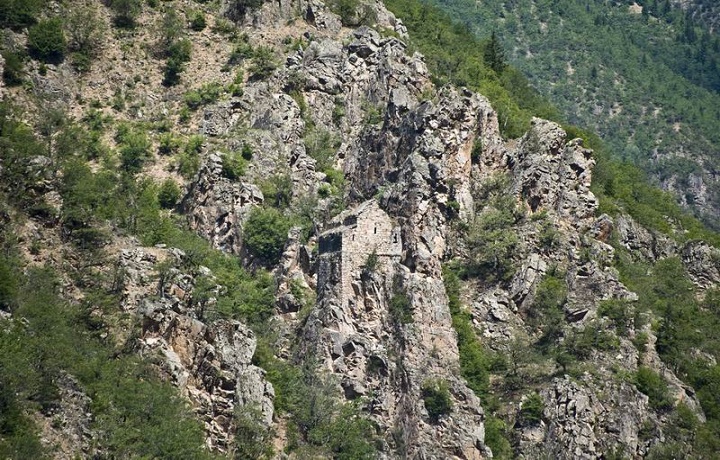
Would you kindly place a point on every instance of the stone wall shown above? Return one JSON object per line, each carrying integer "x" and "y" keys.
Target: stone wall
{"x": 356, "y": 235}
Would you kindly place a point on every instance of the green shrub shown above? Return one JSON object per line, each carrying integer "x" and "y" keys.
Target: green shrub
{"x": 621, "y": 314}
{"x": 204, "y": 95}
{"x": 252, "y": 439}
{"x": 655, "y": 387}
{"x": 241, "y": 51}
{"x": 233, "y": 166}
{"x": 263, "y": 63}
{"x": 547, "y": 309}
{"x": 126, "y": 12}
{"x": 321, "y": 146}
{"x": 168, "y": 144}
{"x": 491, "y": 240}
{"x": 474, "y": 364}
{"x": 8, "y": 284}
{"x": 188, "y": 164}
{"x": 581, "y": 343}
{"x": 277, "y": 190}
{"x": 437, "y": 399}
{"x": 373, "y": 114}
{"x": 171, "y": 30}
{"x": 46, "y": 40}
{"x": 477, "y": 150}
{"x": 14, "y": 71}
{"x": 17, "y": 14}
{"x": 400, "y": 308}
{"x": 134, "y": 150}
{"x": 346, "y": 9}
{"x": 265, "y": 234}
{"x": 496, "y": 438}
{"x": 178, "y": 54}
{"x": 239, "y": 8}
{"x": 338, "y": 112}
{"x": 193, "y": 100}
{"x": 169, "y": 194}
{"x": 197, "y": 21}
{"x": 85, "y": 33}
{"x": 531, "y": 410}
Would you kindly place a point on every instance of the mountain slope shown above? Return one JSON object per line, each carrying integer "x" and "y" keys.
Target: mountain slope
{"x": 268, "y": 230}
{"x": 647, "y": 83}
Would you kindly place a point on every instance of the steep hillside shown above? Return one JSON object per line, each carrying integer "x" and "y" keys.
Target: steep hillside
{"x": 268, "y": 230}
{"x": 645, "y": 79}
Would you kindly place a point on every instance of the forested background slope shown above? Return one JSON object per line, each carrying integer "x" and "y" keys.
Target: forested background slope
{"x": 644, "y": 75}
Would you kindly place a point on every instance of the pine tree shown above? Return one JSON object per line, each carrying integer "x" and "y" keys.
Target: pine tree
{"x": 495, "y": 55}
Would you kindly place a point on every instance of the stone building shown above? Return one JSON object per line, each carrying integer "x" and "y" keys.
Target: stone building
{"x": 350, "y": 241}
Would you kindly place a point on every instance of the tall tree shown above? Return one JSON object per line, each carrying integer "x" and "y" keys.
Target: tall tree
{"x": 494, "y": 54}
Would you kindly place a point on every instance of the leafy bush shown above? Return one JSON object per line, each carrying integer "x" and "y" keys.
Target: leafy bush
{"x": 169, "y": 194}
{"x": 531, "y": 410}
{"x": 321, "y": 146}
{"x": 621, "y": 313}
{"x": 242, "y": 50}
{"x": 85, "y": 34}
{"x": 496, "y": 437}
{"x": 46, "y": 40}
{"x": 492, "y": 243}
{"x": 581, "y": 343}
{"x": 437, "y": 399}
{"x": 400, "y": 308}
{"x": 233, "y": 166}
{"x": 654, "y": 386}
{"x": 263, "y": 63}
{"x": 126, "y": 12}
{"x": 17, "y": 14}
{"x": 547, "y": 309}
{"x": 239, "y": 8}
{"x": 206, "y": 94}
{"x": 252, "y": 439}
{"x": 347, "y": 10}
{"x": 197, "y": 21}
{"x": 168, "y": 144}
{"x": 134, "y": 149}
{"x": 178, "y": 54}
{"x": 265, "y": 234}
{"x": 277, "y": 190}
{"x": 13, "y": 72}
{"x": 474, "y": 365}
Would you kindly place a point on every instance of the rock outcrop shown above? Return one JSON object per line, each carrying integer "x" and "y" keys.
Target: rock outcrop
{"x": 217, "y": 207}
{"x": 210, "y": 362}
{"x": 551, "y": 173}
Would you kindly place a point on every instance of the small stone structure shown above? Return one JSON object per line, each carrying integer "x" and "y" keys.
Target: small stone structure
{"x": 353, "y": 236}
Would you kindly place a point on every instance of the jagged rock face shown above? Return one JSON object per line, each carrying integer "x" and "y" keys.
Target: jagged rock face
{"x": 426, "y": 149}
{"x": 551, "y": 173}
{"x": 702, "y": 263}
{"x": 648, "y": 244}
{"x": 209, "y": 363}
{"x": 405, "y": 152}
{"x": 584, "y": 424}
{"x": 217, "y": 207}
{"x": 421, "y": 151}
{"x": 67, "y": 426}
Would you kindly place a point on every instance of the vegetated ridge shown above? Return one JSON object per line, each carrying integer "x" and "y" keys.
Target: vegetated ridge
{"x": 256, "y": 230}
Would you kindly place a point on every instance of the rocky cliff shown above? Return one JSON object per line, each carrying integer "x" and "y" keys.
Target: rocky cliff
{"x": 385, "y": 190}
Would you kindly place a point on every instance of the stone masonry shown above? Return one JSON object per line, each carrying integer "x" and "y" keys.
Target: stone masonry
{"x": 351, "y": 239}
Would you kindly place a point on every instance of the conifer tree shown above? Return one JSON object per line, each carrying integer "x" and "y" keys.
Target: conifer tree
{"x": 495, "y": 55}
